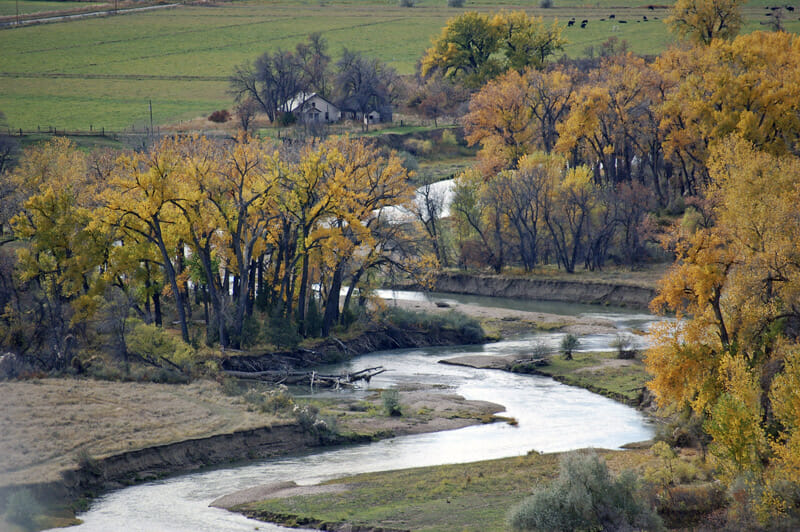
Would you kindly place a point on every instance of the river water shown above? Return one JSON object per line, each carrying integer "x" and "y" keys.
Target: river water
{"x": 551, "y": 416}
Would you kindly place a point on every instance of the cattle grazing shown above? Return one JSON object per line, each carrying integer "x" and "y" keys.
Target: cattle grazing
{"x": 570, "y": 23}
{"x": 622, "y": 21}
{"x": 584, "y": 23}
{"x": 651, "y": 8}
{"x": 644, "y": 17}
{"x": 789, "y": 8}
{"x": 612, "y": 15}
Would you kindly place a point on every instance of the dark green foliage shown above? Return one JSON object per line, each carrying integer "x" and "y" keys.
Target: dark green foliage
{"x": 586, "y": 497}
{"x": 313, "y": 319}
{"x": 569, "y": 344}
{"x": 282, "y": 332}
{"x": 251, "y": 332}
{"x": 455, "y": 3}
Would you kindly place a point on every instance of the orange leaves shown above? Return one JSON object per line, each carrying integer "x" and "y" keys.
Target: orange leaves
{"x": 749, "y": 86}
{"x": 500, "y": 119}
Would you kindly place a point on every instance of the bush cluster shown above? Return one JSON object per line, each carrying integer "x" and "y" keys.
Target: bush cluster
{"x": 219, "y": 117}
{"x": 586, "y": 497}
{"x": 391, "y": 403}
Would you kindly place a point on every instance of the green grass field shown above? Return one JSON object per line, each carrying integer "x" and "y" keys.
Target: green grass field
{"x": 103, "y": 72}
{"x": 465, "y": 497}
{"x": 27, "y": 7}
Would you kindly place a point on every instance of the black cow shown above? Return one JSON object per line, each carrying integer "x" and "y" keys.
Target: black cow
{"x": 570, "y": 23}
{"x": 612, "y": 15}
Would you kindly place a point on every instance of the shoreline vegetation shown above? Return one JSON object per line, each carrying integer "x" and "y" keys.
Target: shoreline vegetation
{"x": 76, "y": 468}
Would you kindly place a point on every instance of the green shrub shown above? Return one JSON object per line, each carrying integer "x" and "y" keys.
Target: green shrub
{"x": 308, "y": 418}
{"x": 273, "y": 401}
{"x": 569, "y": 344}
{"x": 313, "y": 319}
{"x": 155, "y": 344}
{"x": 22, "y": 508}
{"x": 455, "y": 3}
{"x": 448, "y": 138}
{"x": 391, "y": 403}
{"x": 687, "y": 505}
{"x": 282, "y": 332}
{"x": 585, "y": 497}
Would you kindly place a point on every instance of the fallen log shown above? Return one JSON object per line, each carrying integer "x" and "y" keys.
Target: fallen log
{"x": 311, "y": 378}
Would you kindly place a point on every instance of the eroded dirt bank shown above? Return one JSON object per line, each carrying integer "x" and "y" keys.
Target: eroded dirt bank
{"x": 616, "y": 293}
{"x": 171, "y": 429}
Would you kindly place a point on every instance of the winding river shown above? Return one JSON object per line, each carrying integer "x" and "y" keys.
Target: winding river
{"x": 551, "y": 416}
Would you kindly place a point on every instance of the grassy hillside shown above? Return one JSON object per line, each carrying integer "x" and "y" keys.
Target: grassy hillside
{"x": 103, "y": 72}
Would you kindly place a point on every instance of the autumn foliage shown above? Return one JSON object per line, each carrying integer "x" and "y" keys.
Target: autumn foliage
{"x": 732, "y": 356}
{"x": 230, "y": 227}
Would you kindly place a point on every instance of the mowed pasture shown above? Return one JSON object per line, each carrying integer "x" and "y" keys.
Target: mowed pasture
{"x": 26, "y": 7}
{"x": 103, "y": 72}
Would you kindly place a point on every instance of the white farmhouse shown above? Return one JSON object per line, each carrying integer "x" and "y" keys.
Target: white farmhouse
{"x": 311, "y": 107}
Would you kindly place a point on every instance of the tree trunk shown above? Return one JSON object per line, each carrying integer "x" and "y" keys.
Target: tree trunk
{"x": 331, "y": 315}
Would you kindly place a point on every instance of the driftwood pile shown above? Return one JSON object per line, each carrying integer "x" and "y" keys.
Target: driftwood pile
{"x": 311, "y": 378}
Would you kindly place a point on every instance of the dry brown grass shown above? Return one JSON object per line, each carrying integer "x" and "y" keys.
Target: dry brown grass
{"x": 47, "y": 423}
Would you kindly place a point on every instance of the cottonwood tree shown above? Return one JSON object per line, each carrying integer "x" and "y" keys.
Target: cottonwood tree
{"x": 702, "y": 21}
{"x": 314, "y": 58}
{"x": 62, "y": 251}
{"x": 527, "y": 41}
{"x": 466, "y": 50}
{"x": 750, "y": 86}
{"x": 608, "y": 122}
{"x": 365, "y": 84}
{"x": 736, "y": 286}
{"x": 437, "y": 96}
{"x": 272, "y": 80}
{"x": 500, "y": 119}
{"x": 141, "y": 203}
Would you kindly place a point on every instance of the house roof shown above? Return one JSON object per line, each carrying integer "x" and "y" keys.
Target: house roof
{"x": 301, "y": 99}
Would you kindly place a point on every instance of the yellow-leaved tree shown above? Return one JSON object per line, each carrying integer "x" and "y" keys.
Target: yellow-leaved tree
{"x": 749, "y": 86}
{"x": 732, "y": 354}
{"x": 703, "y": 21}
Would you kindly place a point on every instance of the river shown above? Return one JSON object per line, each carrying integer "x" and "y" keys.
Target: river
{"x": 551, "y": 417}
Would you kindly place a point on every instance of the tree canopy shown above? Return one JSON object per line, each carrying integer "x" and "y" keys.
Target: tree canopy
{"x": 476, "y": 47}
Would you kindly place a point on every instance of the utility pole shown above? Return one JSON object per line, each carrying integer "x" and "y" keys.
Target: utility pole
{"x": 151, "y": 118}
